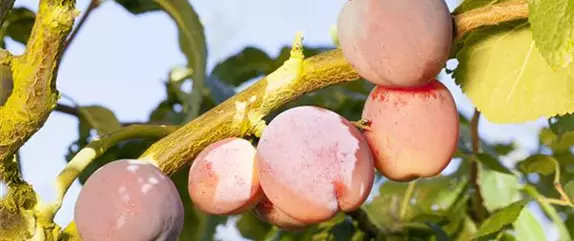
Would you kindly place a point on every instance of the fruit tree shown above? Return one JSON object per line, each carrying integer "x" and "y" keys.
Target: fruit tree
{"x": 342, "y": 142}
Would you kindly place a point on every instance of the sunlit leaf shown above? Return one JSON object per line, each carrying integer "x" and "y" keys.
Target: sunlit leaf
{"x": 543, "y": 164}
{"x": 492, "y": 163}
{"x": 527, "y": 227}
{"x": 497, "y": 189}
{"x": 100, "y": 118}
{"x": 506, "y": 78}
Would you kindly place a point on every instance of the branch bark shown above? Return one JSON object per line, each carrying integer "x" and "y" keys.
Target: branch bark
{"x": 329, "y": 68}
{"x": 34, "y": 95}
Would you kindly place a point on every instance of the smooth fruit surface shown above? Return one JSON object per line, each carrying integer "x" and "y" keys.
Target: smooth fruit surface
{"x": 314, "y": 163}
{"x": 268, "y": 212}
{"x": 223, "y": 178}
{"x": 129, "y": 200}
{"x": 413, "y": 132}
{"x": 396, "y": 43}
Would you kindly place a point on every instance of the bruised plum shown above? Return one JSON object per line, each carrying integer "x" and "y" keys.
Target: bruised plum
{"x": 223, "y": 178}
{"x": 413, "y": 132}
{"x": 396, "y": 43}
{"x": 314, "y": 163}
{"x": 129, "y": 200}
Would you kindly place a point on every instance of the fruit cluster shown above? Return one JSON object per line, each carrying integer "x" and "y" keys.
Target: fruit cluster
{"x": 309, "y": 163}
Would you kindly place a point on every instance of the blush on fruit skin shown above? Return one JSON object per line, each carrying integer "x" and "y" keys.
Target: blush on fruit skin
{"x": 396, "y": 43}
{"x": 413, "y": 132}
{"x": 314, "y": 163}
{"x": 223, "y": 178}
{"x": 129, "y": 200}
{"x": 268, "y": 212}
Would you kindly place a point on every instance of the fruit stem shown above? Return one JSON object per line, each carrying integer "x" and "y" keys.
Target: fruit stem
{"x": 95, "y": 149}
{"x": 406, "y": 199}
{"x": 362, "y": 124}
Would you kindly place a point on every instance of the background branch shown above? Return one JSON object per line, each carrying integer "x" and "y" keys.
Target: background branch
{"x": 478, "y": 211}
{"x": 5, "y": 6}
{"x": 263, "y": 97}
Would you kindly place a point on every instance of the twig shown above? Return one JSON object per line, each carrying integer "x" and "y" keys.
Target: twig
{"x": 93, "y": 5}
{"x": 5, "y": 6}
{"x": 490, "y": 15}
{"x": 478, "y": 211}
{"x": 95, "y": 149}
{"x": 364, "y": 223}
{"x": 233, "y": 117}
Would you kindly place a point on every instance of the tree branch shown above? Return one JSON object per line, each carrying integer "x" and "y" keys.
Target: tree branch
{"x": 5, "y": 6}
{"x": 478, "y": 211}
{"x": 490, "y": 15}
{"x": 271, "y": 92}
{"x": 34, "y": 74}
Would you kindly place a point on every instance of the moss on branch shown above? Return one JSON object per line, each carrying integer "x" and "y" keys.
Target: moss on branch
{"x": 34, "y": 94}
{"x": 322, "y": 70}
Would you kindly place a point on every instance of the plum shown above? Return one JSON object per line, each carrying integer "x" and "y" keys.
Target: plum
{"x": 413, "y": 132}
{"x": 396, "y": 43}
{"x": 314, "y": 163}
{"x": 129, "y": 199}
{"x": 223, "y": 178}
{"x": 268, "y": 212}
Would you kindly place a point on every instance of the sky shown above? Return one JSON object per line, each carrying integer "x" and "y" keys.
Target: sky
{"x": 120, "y": 61}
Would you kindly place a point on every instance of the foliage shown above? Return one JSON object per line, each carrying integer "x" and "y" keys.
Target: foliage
{"x": 513, "y": 72}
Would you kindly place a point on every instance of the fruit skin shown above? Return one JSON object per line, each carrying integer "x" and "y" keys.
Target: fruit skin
{"x": 396, "y": 43}
{"x": 314, "y": 163}
{"x": 413, "y": 132}
{"x": 223, "y": 178}
{"x": 129, "y": 200}
{"x": 268, "y": 212}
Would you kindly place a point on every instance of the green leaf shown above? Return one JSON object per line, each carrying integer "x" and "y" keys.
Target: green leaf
{"x": 440, "y": 234}
{"x": 468, "y": 229}
{"x": 501, "y": 219}
{"x": 18, "y": 24}
{"x": 569, "y": 189}
{"x": 538, "y": 163}
{"x": 552, "y": 23}
{"x": 505, "y": 236}
{"x": 561, "y": 124}
{"x": 506, "y": 78}
{"x": 527, "y": 227}
{"x": 245, "y": 65}
{"x": 193, "y": 45}
{"x": 252, "y": 227}
{"x": 492, "y": 163}
{"x": 6, "y": 84}
{"x": 551, "y": 212}
{"x": 554, "y": 142}
{"x": 498, "y": 189}
{"x": 100, "y": 118}
{"x": 139, "y": 6}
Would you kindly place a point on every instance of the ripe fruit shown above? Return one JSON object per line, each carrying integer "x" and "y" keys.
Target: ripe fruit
{"x": 396, "y": 43}
{"x": 314, "y": 163}
{"x": 413, "y": 132}
{"x": 223, "y": 178}
{"x": 266, "y": 211}
{"x": 129, "y": 200}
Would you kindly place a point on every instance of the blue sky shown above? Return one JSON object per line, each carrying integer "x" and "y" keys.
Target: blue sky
{"x": 120, "y": 60}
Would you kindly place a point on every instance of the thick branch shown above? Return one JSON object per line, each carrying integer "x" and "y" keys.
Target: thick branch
{"x": 490, "y": 15}
{"x": 34, "y": 73}
{"x": 322, "y": 70}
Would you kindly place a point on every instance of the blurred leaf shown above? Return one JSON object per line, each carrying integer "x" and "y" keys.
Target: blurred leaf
{"x": 538, "y": 163}
{"x": 561, "y": 124}
{"x": 503, "y": 149}
{"x": 337, "y": 229}
{"x": 569, "y": 222}
{"x": 6, "y": 84}
{"x": 527, "y": 227}
{"x": 551, "y": 140}
{"x": 432, "y": 200}
{"x": 501, "y": 219}
{"x": 505, "y": 236}
{"x": 492, "y": 163}
{"x": 550, "y": 211}
{"x": 498, "y": 189}
{"x": 468, "y": 229}
{"x": 245, "y": 65}
{"x": 569, "y": 189}
{"x": 193, "y": 45}
{"x": 218, "y": 90}
{"x": 18, "y": 24}
{"x": 252, "y": 227}
{"x": 100, "y": 118}
{"x": 139, "y": 6}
